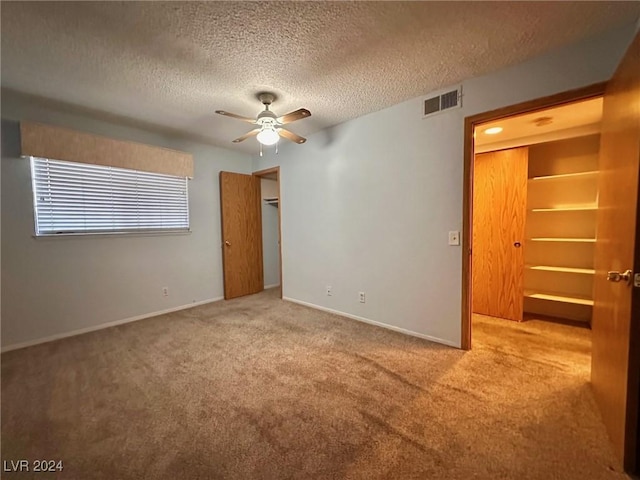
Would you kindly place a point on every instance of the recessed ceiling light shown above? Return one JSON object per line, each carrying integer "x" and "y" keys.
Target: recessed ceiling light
{"x": 493, "y": 130}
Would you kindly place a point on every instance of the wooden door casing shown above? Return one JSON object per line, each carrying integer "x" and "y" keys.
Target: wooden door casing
{"x": 241, "y": 234}
{"x": 499, "y": 212}
{"x": 613, "y": 377}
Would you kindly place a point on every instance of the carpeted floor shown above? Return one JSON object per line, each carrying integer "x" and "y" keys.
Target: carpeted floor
{"x": 258, "y": 388}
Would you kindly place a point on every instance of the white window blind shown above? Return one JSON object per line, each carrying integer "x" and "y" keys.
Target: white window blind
{"x": 72, "y": 198}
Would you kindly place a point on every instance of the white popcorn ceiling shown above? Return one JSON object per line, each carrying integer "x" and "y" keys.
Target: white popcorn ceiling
{"x": 172, "y": 64}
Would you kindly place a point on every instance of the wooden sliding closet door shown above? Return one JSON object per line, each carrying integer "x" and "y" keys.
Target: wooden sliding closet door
{"x": 499, "y": 211}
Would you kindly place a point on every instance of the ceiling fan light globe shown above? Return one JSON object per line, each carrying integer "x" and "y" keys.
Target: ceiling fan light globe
{"x": 268, "y": 136}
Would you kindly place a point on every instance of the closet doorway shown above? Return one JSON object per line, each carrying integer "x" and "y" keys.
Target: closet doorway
{"x": 510, "y": 248}
{"x": 271, "y": 227}
{"x": 535, "y": 201}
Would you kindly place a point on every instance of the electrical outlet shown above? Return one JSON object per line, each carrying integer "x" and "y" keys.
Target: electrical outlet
{"x": 362, "y": 297}
{"x": 454, "y": 238}
{"x": 329, "y": 292}
{"x": 165, "y": 291}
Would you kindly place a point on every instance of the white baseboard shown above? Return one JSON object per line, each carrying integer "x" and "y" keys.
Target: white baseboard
{"x": 102, "y": 326}
{"x": 273, "y": 285}
{"x": 373, "y": 322}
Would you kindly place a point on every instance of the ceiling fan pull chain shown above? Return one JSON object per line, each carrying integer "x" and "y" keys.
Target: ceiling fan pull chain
{"x": 276, "y": 148}
{"x": 260, "y": 149}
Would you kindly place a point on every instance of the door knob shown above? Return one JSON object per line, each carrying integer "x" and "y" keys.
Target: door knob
{"x": 227, "y": 243}
{"x": 620, "y": 277}
{"x": 517, "y": 244}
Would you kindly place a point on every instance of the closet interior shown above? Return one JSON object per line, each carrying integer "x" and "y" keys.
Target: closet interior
{"x": 270, "y": 194}
{"x": 546, "y": 266}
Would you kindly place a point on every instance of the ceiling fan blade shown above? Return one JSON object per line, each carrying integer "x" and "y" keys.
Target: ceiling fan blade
{"x": 252, "y": 133}
{"x": 293, "y": 116}
{"x": 291, "y": 136}
{"x": 233, "y": 115}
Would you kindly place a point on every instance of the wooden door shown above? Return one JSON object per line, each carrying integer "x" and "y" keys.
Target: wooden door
{"x": 499, "y": 212}
{"x": 614, "y": 366}
{"x": 241, "y": 234}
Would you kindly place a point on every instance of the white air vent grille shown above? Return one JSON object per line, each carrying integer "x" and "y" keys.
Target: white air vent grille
{"x": 445, "y": 101}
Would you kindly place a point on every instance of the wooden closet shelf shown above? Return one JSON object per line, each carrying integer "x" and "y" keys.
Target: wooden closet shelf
{"x": 568, "y": 240}
{"x": 565, "y": 176}
{"x": 549, "y": 268}
{"x": 557, "y": 297}
{"x": 584, "y": 208}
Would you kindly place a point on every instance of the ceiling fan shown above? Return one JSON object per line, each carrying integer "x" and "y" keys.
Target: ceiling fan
{"x": 270, "y": 128}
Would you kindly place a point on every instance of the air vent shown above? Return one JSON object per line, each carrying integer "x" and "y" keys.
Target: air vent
{"x": 442, "y": 102}
{"x": 432, "y": 105}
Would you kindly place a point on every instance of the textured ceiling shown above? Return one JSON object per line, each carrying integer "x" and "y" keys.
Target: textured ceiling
{"x": 171, "y": 64}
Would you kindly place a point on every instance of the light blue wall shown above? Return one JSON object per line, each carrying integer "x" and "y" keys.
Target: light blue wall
{"x": 53, "y": 286}
{"x": 367, "y": 205}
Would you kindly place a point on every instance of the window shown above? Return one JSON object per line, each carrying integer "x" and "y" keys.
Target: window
{"x": 75, "y": 198}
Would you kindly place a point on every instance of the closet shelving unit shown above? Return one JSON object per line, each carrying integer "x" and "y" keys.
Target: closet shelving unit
{"x": 560, "y": 226}
{"x": 273, "y": 201}
{"x": 564, "y": 240}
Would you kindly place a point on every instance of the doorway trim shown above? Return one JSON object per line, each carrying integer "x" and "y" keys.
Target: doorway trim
{"x": 570, "y": 96}
{"x": 264, "y": 173}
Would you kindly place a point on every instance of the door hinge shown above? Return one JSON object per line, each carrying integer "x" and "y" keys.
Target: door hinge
{"x": 636, "y": 280}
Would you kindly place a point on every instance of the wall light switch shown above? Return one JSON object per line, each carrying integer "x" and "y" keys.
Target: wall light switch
{"x": 454, "y": 238}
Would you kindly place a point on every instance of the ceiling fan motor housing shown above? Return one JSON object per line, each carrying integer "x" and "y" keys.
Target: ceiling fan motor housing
{"x": 266, "y": 117}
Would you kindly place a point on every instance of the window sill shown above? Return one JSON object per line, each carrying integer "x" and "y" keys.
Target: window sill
{"x": 111, "y": 234}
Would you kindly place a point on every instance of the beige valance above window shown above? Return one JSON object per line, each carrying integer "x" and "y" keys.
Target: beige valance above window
{"x": 59, "y": 143}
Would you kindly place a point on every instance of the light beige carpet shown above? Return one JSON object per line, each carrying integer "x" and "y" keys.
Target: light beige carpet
{"x": 258, "y": 388}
